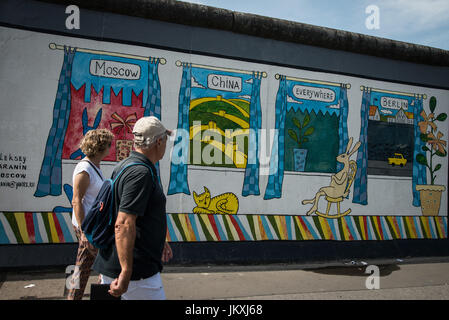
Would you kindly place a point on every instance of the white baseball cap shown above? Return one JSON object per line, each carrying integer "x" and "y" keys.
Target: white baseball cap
{"x": 148, "y": 129}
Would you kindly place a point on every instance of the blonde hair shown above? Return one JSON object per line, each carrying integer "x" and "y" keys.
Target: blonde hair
{"x": 96, "y": 141}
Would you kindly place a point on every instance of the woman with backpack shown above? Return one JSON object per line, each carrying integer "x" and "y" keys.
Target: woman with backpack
{"x": 87, "y": 181}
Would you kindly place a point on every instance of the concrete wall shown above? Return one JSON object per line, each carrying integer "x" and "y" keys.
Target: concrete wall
{"x": 269, "y": 84}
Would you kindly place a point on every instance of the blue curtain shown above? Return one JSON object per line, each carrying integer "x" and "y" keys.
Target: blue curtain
{"x": 361, "y": 177}
{"x": 343, "y": 123}
{"x": 419, "y": 171}
{"x": 50, "y": 177}
{"x": 251, "y": 180}
{"x": 276, "y": 177}
{"x": 180, "y": 153}
{"x": 153, "y": 105}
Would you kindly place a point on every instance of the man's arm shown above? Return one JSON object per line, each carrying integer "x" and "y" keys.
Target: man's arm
{"x": 125, "y": 236}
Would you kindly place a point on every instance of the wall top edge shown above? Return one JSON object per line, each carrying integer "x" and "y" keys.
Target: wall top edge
{"x": 203, "y": 16}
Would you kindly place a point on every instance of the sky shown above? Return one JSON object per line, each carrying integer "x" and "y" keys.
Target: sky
{"x": 424, "y": 22}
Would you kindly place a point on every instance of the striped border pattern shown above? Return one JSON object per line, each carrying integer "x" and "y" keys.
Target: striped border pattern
{"x": 36, "y": 227}
{"x": 51, "y": 227}
{"x": 203, "y": 227}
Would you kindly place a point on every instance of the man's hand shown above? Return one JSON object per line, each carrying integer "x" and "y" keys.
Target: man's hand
{"x": 167, "y": 253}
{"x": 120, "y": 285}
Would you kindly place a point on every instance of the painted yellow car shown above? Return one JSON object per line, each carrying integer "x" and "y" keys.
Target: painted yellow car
{"x": 397, "y": 159}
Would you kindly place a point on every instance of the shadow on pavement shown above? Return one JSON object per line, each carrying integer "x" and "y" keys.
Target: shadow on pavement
{"x": 384, "y": 270}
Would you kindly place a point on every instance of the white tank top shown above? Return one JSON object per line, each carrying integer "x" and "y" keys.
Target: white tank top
{"x": 94, "y": 186}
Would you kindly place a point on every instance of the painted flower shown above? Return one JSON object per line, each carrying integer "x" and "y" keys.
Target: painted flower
{"x": 424, "y": 124}
{"x": 436, "y": 142}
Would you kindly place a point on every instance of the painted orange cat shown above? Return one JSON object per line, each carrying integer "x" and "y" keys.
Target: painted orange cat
{"x": 226, "y": 203}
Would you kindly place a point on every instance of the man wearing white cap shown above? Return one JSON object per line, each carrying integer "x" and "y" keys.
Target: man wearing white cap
{"x": 132, "y": 266}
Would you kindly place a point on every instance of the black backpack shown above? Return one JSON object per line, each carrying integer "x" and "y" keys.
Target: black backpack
{"x": 98, "y": 224}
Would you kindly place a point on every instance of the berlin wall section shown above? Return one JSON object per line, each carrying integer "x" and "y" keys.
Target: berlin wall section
{"x": 294, "y": 143}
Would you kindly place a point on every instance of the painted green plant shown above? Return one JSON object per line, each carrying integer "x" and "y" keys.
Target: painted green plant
{"x": 304, "y": 130}
{"x": 434, "y": 145}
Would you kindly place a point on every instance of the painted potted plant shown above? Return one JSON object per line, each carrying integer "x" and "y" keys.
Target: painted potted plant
{"x": 430, "y": 194}
{"x": 300, "y": 136}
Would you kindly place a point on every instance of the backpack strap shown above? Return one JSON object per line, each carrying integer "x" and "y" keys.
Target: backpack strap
{"x": 95, "y": 168}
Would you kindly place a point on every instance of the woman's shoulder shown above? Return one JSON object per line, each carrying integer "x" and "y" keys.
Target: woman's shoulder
{"x": 82, "y": 166}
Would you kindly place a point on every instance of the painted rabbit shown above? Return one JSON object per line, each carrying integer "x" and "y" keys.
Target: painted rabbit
{"x": 339, "y": 181}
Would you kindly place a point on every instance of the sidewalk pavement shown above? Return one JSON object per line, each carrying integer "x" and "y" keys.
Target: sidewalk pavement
{"x": 406, "y": 279}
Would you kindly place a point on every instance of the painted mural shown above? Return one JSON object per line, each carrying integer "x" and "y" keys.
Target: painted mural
{"x": 219, "y": 117}
{"x": 311, "y": 129}
{"x": 339, "y": 186}
{"x": 96, "y": 90}
{"x": 260, "y": 152}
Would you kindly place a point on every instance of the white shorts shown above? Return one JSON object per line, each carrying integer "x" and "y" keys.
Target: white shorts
{"x": 145, "y": 289}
